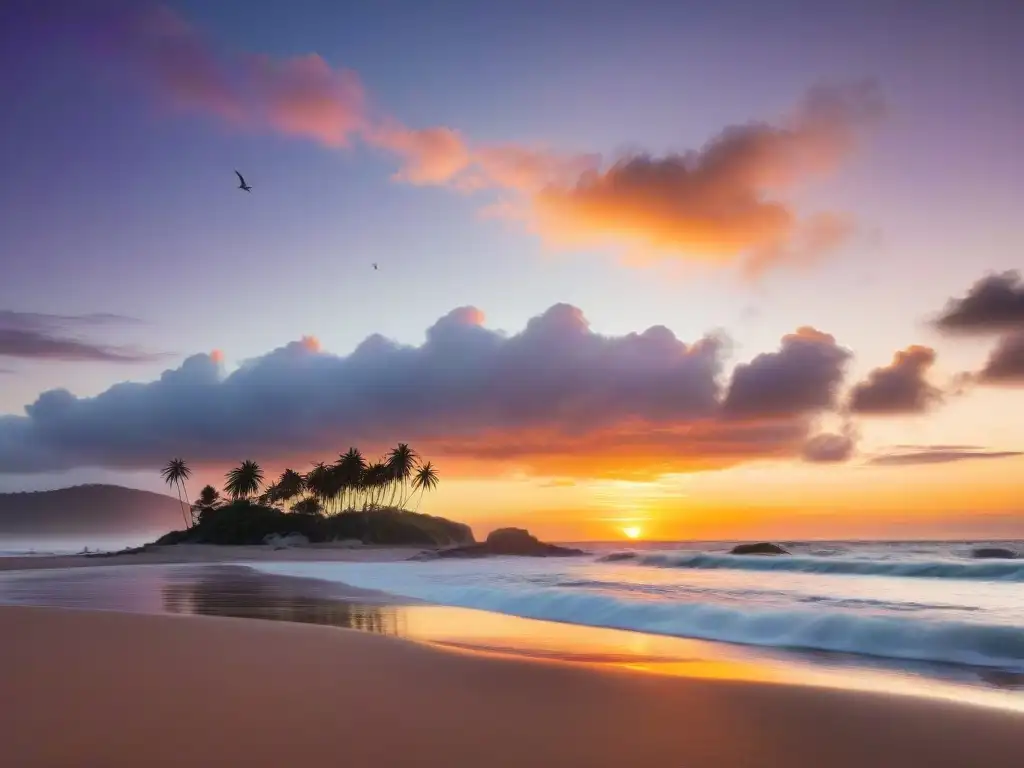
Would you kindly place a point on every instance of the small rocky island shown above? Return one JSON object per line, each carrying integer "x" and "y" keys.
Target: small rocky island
{"x": 504, "y": 541}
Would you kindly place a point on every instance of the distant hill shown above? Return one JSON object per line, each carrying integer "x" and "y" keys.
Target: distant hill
{"x": 88, "y": 509}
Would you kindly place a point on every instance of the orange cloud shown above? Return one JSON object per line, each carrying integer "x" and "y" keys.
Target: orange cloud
{"x": 723, "y": 202}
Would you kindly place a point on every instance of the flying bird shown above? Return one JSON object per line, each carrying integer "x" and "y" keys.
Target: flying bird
{"x": 375, "y": 265}
{"x": 241, "y": 182}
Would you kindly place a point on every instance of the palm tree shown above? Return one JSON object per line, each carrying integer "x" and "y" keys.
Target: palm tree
{"x": 316, "y": 482}
{"x": 175, "y": 474}
{"x": 426, "y": 479}
{"x": 209, "y": 499}
{"x": 290, "y": 485}
{"x": 350, "y": 466}
{"x": 334, "y": 487}
{"x": 375, "y": 480}
{"x": 401, "y": 462}
{"x": 244, "y": 481}
{"x": 269, "y": 497}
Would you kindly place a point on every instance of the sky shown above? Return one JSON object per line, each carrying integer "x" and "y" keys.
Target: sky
{"x": 709, "y": 270}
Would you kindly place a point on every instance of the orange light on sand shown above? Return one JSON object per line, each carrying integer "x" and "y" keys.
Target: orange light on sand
{"x": 633, "y": 531}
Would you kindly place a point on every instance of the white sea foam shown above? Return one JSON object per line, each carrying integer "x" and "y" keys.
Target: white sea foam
{"x": 898, "y": 627}
{"x": 1008, "y": 570}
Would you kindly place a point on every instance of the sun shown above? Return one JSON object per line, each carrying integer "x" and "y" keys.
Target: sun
{"x": 632, "y": 531}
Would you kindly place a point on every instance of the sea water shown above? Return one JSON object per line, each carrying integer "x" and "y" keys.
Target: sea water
{"x": 905, "y": 602}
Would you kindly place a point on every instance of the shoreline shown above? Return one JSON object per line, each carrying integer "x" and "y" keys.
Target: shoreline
{"x": 214, "y": 554}
{"x": 243, "y": 590}
{"x": 160, "y": 690}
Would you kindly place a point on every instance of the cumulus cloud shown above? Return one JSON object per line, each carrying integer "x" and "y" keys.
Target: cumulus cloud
{"x": 908, "y": 455}
{"x": 555, "y": 399}
{"x": 802, "y": 377}
{"x": 898, "y": 388}
{"x": 37, "y": 336}
{"x": 725, "y": 202}
{"x": 994, "y": 304}
{"x": 1005, "y": 365}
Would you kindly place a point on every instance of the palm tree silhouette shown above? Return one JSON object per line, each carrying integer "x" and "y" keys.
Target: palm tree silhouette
{"x": 290, "y": 485}
{"x": 350, "y": 468}
{"x": 244, "y": 481}
{"x": 316, "y": 482}
{"x": 375, "y": 481}
{"x": 209, "y": 499}
{"x": 175, "y": 474}
{"x": 426, "y": 479}
{"x": 270, "y": 495}
{"x": 400, "y": 463}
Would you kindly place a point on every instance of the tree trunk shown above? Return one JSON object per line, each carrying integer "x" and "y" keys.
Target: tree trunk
{"x": 184, "y": 516}
{"x": 191, "y": 519}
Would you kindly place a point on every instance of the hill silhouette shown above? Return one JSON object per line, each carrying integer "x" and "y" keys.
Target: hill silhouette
{"x": 87, "y": 509}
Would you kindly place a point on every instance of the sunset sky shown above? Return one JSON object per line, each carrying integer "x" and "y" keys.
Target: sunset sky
{"x": 724, "y": 270}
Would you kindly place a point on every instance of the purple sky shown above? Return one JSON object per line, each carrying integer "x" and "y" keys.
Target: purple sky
{"x": 117, "y": 197}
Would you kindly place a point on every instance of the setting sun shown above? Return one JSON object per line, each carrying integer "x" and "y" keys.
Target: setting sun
{"x": 632, "y": 531}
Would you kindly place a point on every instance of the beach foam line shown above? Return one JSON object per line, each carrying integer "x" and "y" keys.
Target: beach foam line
{"x": 986, "y": 645}
{"x": 1011, "y": 570}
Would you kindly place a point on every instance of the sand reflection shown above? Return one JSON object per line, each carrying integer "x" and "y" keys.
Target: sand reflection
{"x": 239, "y": 593}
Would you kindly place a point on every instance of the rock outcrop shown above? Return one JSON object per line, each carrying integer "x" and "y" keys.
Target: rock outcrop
{"x": 762, "y": 548}
{"x": 505, "y": 541}
{"x": 994, "y": 553}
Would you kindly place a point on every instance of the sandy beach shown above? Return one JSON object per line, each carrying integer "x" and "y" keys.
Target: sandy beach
{"x": 112, "y": 689}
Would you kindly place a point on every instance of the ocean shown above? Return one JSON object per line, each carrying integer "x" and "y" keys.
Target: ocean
{"x": 908, "y": 605}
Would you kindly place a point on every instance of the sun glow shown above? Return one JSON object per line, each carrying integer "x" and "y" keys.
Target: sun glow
{"x": 633, "y": 531}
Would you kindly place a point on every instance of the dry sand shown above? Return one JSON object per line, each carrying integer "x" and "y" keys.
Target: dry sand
{"x": 107, "y": 689}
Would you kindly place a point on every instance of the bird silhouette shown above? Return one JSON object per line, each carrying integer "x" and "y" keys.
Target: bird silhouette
{"x": 241, "y": 182}
{"x": 375, "y": 265}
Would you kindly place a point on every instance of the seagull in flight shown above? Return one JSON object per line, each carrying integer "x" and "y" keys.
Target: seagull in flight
{"x": 241, "y": 182}
{"x": 375, "y": 265}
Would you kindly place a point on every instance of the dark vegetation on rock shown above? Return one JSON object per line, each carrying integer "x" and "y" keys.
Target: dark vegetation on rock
{"x": 761, "y": 548}
{"x": 245, "y": 523}
{"x": 506, "y": 541}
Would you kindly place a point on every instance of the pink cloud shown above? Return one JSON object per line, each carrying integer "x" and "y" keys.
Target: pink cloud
{"x": 430, "y": 155}
{"x": 304, "y": 96}
{"x": 299, "y": 96}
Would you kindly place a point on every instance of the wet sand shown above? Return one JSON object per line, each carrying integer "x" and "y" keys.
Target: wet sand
{"x": 118, "y": 689}
{"x": 211, "y": 553}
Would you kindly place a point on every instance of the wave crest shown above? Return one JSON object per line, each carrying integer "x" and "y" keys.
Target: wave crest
{"x": 988, "y": 571}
